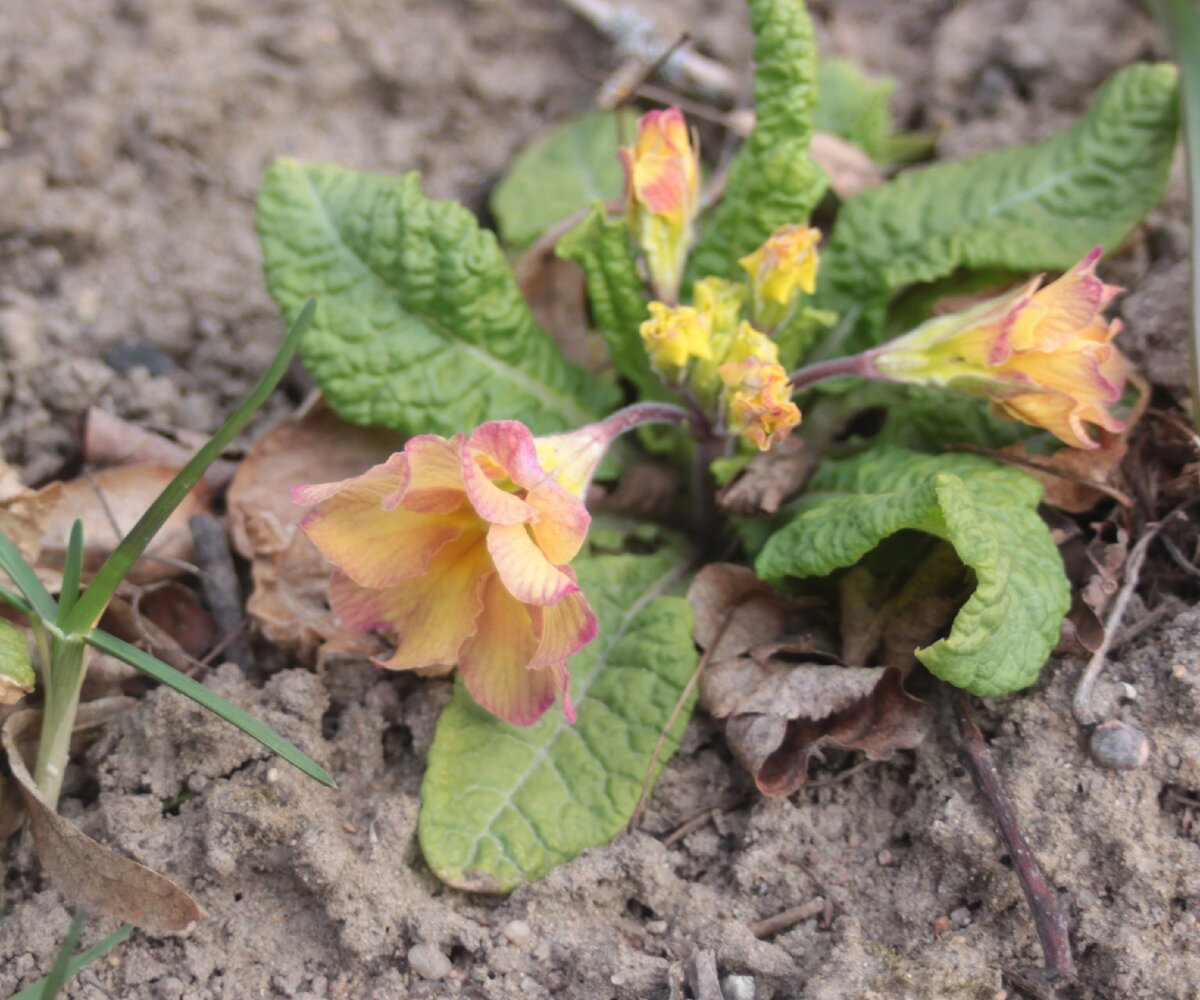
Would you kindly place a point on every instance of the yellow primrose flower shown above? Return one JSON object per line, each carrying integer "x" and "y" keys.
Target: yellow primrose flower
{"x": 778, "y": 271}
{"x": 662, "y": 196}
{"x": 759, "y": 400}
{"x": 1044, "y": 356}
{"x": 719, "y": 303}
{"x": 461, "y": 547}
{"x": 673, "y": 335}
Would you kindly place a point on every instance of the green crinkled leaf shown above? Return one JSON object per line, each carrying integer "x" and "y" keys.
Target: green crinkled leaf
{"x": 772, "y": 181}
{"x": 558, "y": 174}
{"x": 929, "y": 420}
{"x": 501, "y": 805}
{"x": 1006, "y": 630}
{"x": 1023, "y": 208}
{"x": 855, "y": 107}
{"x": 16, "y": 669}
{"x": 419, "y": 323}
{"x": 600, "y": 245}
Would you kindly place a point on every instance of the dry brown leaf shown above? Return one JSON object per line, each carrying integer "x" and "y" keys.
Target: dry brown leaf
{"x": 778, "y": 714}
{"x": 178, "y": 611}
{"x": 769, "y": 479}
{"x": 646, "y": 489}
{"x": 290, "y": 576}
{"x": 39, "y": 522}
{"x": 849, "y": 169}
{"x": 89, "y": 875}
{"x": 556, "y": 291}
{"x": 1076, "y": 480}
{"x": 110, "y": 440}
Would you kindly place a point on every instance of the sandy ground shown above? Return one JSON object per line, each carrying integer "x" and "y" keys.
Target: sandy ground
{"x": 132, "y": 137}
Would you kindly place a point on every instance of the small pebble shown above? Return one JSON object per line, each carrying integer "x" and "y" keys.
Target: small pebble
{"x": 656, "y": 927}
{"x": 960, "y": 917}
{"x": 737, "y": 988}
{"x": 617, "y": 979}
{"x": 428, "y": 962}
{"x": 1174, "y": 760}
{"x": 1119, "y": 746}
{"x": 1128, "y": 691}
{"x": 885, "y": 858}
{"x": 517, "y": 931}
{"x": 941, "y": 925}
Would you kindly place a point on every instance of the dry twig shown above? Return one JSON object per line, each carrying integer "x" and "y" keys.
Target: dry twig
{"x": 1050, "y": 921}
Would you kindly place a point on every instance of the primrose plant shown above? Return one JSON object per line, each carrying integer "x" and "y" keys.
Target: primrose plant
{"x": 736, "y": 326}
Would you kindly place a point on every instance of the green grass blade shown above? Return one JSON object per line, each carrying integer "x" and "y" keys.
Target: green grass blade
{"x": 94, "y": 600}
{"x": 62, "y": 961}
{"x": 16, "y": 600}
{"x": 42, "y": 989}
{"x": 72, "y": 571}
{"x": 208, "y": 699}
{"x": 22, "y": 574}
{"x": 1180, "y": 22}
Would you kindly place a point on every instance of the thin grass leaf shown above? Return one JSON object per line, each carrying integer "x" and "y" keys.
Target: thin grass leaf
{"x": 41, "y": 990}
{"x": 16, "y": 600}
{"x": 213, "y": 702}
{"x": 94, "y": 600}
{"x": 22, "y": 574}
{"x": 1180, "y": 22}
{"x": 62, "y": 961}
{"x": 72, "y": 572}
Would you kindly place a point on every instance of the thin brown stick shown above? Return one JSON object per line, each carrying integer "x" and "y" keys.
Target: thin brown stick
{"x": 1181, "y": 560}
{"x": 1085, "y": 715}
{"x": 780, "y": 922}
{"x": 697, "y": 819}
{"x": 1124, "y": 499}
{"x": 220, "y": 586}
{"x": 1048, "y": 919}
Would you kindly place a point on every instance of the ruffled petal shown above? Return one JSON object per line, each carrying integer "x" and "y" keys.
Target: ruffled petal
{"x": 495, "y": 660}
{"x": 433, "y": 481}
{"x": 500, "y": 451}
{"x": 562, "y": 629}
{"x": 432, "y": 615}
{"x": 373, "y": 546}
{"x": 529, "y": 576}
{"x": 561, "y": 524}
{"x": 394, "y": 470}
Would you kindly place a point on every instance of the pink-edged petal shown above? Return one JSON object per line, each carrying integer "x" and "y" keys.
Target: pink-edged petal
{"x": 393, "y": 472}
{"x": 529, "y": 576}
{"x": 500, "y": 452}
{"x": 377, "y": 547}
{"x": 562, "y": 629}
{"x": 431, "y": 615}
{"x": 561, "y": 524}
{"x": 495, "y": 661}
{"x": 433, "y": 482}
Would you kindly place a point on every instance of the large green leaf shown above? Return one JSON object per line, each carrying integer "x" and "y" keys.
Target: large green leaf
{"x": 1022, "y": 208}
{"x": 560, "y": 173}
{"x": 420, "y": 325}
{"x": 502, "y": 805}
{"x": 1004, "y": 633}
{"x": 772, "y": 180}
{"x": 855, "y": 107}
{"x": 16, "y": 668}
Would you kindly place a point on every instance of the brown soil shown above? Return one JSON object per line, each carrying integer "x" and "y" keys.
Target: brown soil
{"x": 132, "y": 137}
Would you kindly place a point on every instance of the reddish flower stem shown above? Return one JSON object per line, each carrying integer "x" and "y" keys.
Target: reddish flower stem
{"x": 862, "y": 365}
{"x": 655, "y": 413}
